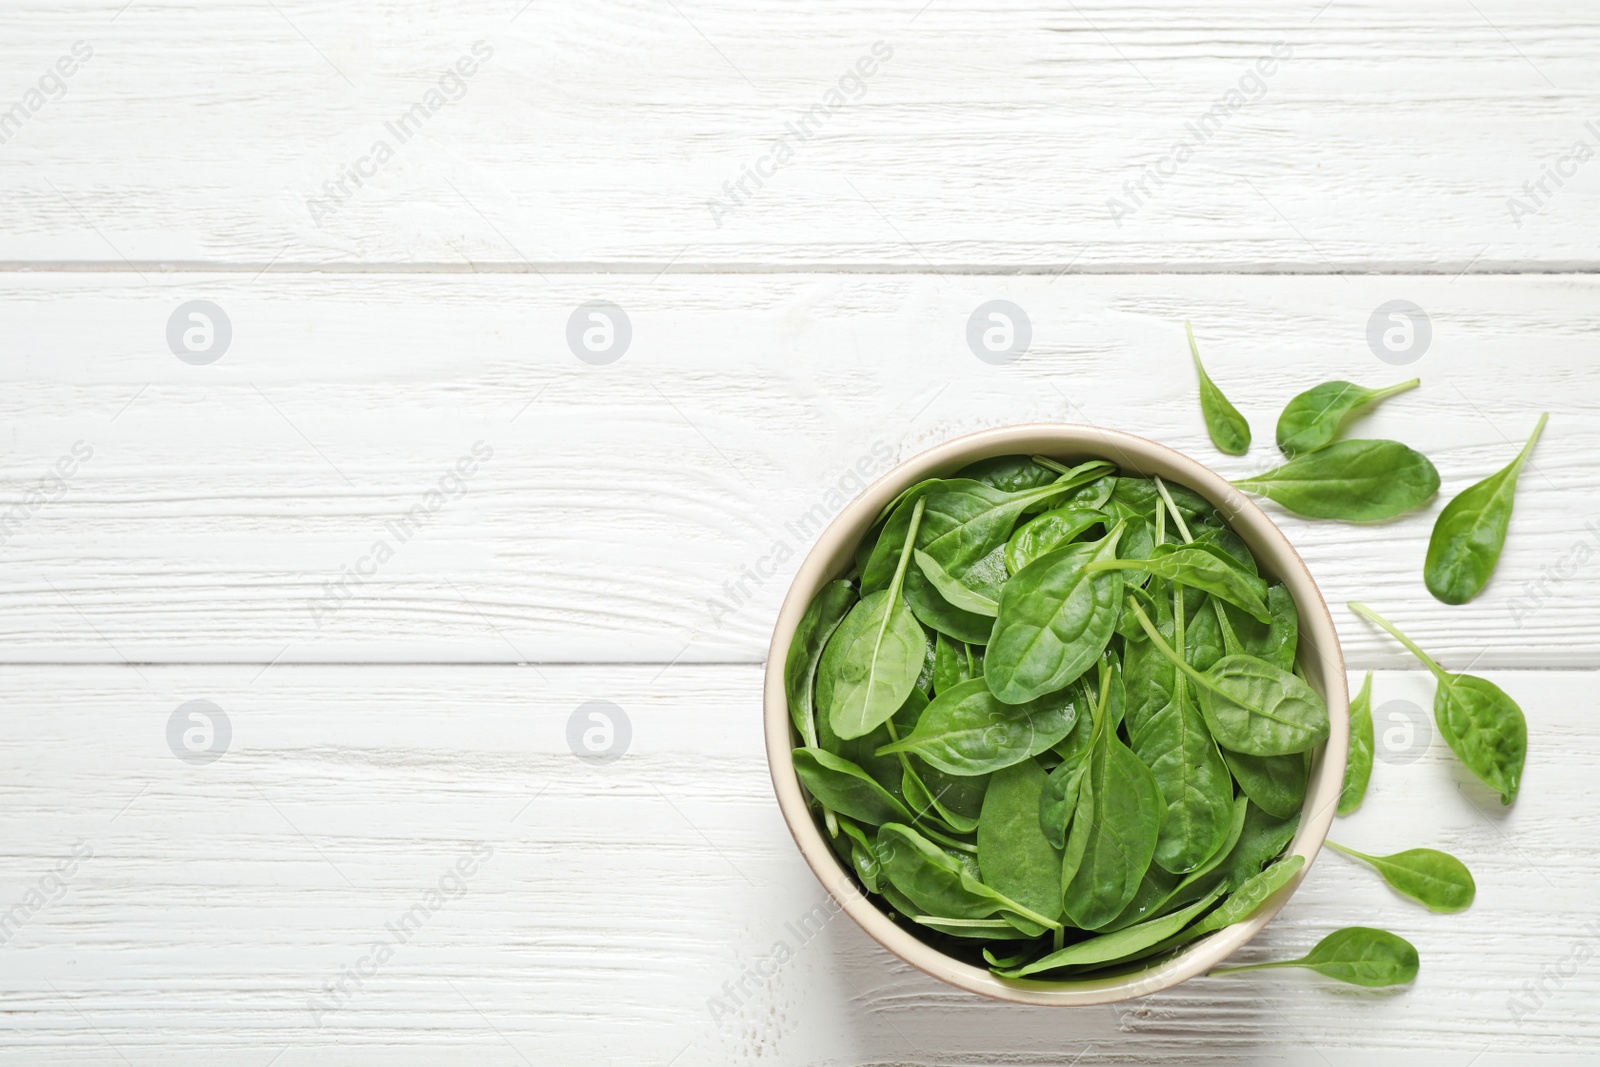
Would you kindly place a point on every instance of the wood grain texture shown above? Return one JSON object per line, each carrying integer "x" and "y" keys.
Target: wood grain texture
{"x": 617, "y": 900}
{"x": 174, "y": 532}
{"x": 1373, "y": 136}
{"x": 654, "y": 509}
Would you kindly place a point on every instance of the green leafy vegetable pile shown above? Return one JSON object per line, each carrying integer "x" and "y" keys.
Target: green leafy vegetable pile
{"x": 1053, "y": 719}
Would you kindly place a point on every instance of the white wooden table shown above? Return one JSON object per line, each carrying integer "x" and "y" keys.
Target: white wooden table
{"x": 396, "y": 754}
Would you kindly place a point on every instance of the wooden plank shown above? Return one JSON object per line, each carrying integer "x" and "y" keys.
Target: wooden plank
{"x": 609, "y": 904}
{"x": 1171, "y": 135}
{"x": 654, "y": 508}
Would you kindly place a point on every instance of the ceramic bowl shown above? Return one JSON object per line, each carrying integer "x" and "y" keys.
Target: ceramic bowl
{"x": 1319, "y": 658}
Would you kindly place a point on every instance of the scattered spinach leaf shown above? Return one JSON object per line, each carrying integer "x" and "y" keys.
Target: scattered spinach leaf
{"x": 1355, "y": 481}
{"x": 1358, "y": 955}
{"x": 1471, "y": 531}
{"x": 1482, "y": 725}
{"x": 1228, "y": 429}
{"x": 1358, "y": 767}
{"x": 1436, "y": 880}
{"x": 1313, "y": 419}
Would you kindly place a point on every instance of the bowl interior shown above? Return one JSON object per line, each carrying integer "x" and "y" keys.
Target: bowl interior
{"x": 1318, "y": 655}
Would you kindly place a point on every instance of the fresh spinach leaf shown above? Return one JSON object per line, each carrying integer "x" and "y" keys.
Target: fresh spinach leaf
{"x": 1055, "y": 619}
{"x": 1482, "y": 725}
{"x": 1358, "y": 766}
{"x": 938, "y": 614}
{"x": 1112, "y": 838}
{"x": 958, "y": 797}
{"x": 1009, "y": 474}
{"x": 1059, "y": 798}
{"x": 1198, "y": 568}
{"x": 1194, "y": 782}
{"x": 1229, "y": 545}
{"x": 1313, "y": 419}
{"x": 1262, "y": 839}
{"x": 1114, "y": 946}
{"x": 847, "y": 789}
{"x": 880, "y": 550}
{"x": 1355, "y": 481}
{"x": 1276, "y": 642}
{"x": 1203, "y": 641}
{"x": 1248, "y": 898}
{"x": 1250, "y": 706}
{"x": 1135, "y": 497}
{"x": 861, "y": 856}
{"x": 1436, "y": 880}
{"x": 924, "y": 684}
{"x": 1148, "y": 676}
{"x": 874, "y": 658}
{"x": 987, "y": 929}
{"x": 937, "y": 883}
{"x": 966, "y": 730}
{"x": 949, "y": 662}
{"x": 1358, "y": 955}
{"x": 1045, "y": 533}
{"x": 1013, "y": 853}
{"x": 822, "y": 616}
{"x": 1471, "y": 531}
{"x": 955, "y": 592}
{"x": 1228, "y": 429}
{"x": 1276, "y": 784}
{"x": 1245, "y": 900}
{"x": 965, "y": 522}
